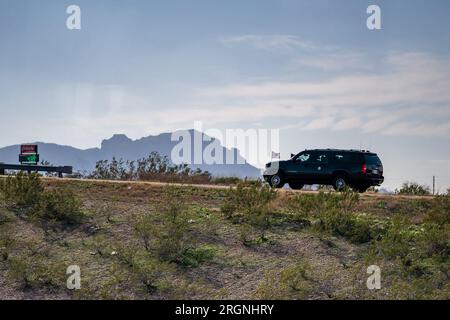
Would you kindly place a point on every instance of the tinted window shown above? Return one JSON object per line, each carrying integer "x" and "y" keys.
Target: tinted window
{"x": 315, "y": 157}
{"x": 372, "y": 159}
{"x": 320, "y": 157}
{"x": 304, "y": 157}
{"x": 346, "y": 157}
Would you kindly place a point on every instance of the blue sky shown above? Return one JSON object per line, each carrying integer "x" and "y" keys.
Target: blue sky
{"x": 310, "y": 68}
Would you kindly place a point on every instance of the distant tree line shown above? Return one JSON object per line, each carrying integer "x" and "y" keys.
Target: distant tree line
{"x": 153, "y": 168}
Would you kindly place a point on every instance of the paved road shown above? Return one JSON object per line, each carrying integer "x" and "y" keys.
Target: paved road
{"x": 223, "y": 187}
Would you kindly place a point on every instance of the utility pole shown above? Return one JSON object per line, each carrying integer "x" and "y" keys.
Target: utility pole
{"x": 434, "y": 184}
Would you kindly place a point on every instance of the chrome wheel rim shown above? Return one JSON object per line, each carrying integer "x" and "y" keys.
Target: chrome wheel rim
{"x": 275, "y": 180}
{"x": 340, "y": 183}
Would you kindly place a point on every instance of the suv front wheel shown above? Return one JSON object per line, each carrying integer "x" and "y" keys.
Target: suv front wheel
{"x": 276, "y": 181}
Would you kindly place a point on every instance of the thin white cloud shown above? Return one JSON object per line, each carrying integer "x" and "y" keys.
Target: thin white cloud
{"x": 268, "y": 42}
{"x": 319, "y": 123}
{"x": 408, "y": 97}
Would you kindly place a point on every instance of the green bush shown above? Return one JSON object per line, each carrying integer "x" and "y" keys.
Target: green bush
{"x": 414, "y": 189}
{"x": 152, "y": 273}
{"x": 440, "y": 210}
{"x": 22, "y": 190}
{"x": 335, "y": 213}
{"x": 33, "y": 269}
{"x": 291, "y": 283}
{"x": 248, "y": 205}
{"x": 167, "y": 232}
{"x": 421, "y": 249}
{"x": 195, "y": 257}
{"x": 60, "y": 206}
{"x": 26, "y": 191}
{"x": 247, "y": 199}
{"x": 153, "y": 168}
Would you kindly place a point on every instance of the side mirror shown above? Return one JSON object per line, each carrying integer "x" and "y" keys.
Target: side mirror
{"x": 292, "y": 155}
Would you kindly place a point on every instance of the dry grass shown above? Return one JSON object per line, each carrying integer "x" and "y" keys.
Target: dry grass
{"x": 299, "y": 260}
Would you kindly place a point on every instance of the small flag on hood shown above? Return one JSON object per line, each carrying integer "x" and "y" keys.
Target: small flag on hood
{"x": 276, "y": 155}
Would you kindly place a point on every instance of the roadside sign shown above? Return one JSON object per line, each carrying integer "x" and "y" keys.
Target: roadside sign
{"x": 29, "y": 154}
{"x": 28, "y": 149}
{"x": 29, "y": 158}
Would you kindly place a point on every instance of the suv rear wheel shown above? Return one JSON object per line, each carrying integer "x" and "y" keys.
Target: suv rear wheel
{"x": 296, "y": 185}
{"x": 340, "y": 182}
{"x": 361, "y": 189}
{"x": 276, "y": 181}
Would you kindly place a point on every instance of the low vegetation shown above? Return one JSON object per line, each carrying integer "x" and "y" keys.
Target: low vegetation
{"x": 153, "y": 168}
{"x": 247, "y": 205}
{"x": 25, "y": 194}
{"x": 154, "y": 242}
{"x": 413, "y": 188}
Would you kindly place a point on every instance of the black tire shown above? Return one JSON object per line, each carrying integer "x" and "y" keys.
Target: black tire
{"x": 296, "y": 185}
{"x": 276, "y": 181}
{"x": 340, "y": 182}
{"x": 361, "y": 189}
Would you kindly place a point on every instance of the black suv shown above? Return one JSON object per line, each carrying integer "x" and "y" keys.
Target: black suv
{"x": 339, "y": 168}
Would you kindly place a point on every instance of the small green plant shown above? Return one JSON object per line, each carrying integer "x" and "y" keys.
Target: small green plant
{"x": 291, "y": 283}
{"x": 195, "y": 257}
{"x": 152, "y": 273}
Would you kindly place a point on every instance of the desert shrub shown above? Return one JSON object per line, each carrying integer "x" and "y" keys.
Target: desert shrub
{"x": 335, "y": 213}
{"x": 246, "y": 200}
{"x": 315, "y": 204}
{"x": 434, "y": 241}
{"x": 26, "y": 191}
{"x": 7, "y": 242}
{"x": 60, "y": 206}
{"x": 167, "y": 232}
{"x": 22, "y": 190}
{"x": 32, "y": 268}
{"x": 413, "y": 188}
{"x": 291, "y": 283}
{"x": 153, "y": 168}
{"x": 248, "y": 205}
{"x": 227, "y": 180}
{"x": 440, "y": 210}
{"x": 420, "y": 249}
{"x": 397, "y": 241}
{"x": 195, "y": 257}
{"x": 152, "y": 273}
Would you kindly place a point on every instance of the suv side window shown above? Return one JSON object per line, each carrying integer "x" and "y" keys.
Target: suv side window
{"x": 304, "y": 157}
{"x": 343, "y": 157}
{"x": 321, "y": 158}
{"x": 313, "y": 157}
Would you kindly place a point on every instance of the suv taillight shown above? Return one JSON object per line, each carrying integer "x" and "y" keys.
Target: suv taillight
{"x": 364, "y": 169}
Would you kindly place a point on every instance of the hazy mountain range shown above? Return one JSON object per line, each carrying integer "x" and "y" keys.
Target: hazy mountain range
{"x": 120, "y": 146}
